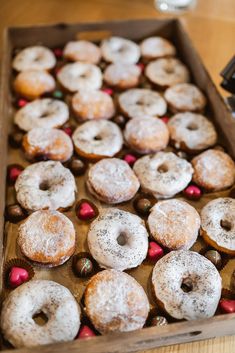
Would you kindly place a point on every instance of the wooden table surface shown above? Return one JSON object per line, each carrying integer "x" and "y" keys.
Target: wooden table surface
{"x": 212, "y": 29}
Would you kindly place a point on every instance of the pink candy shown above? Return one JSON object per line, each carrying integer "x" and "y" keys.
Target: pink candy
{"x": 17, "y": 276}
{"x": 85, "y": 332}
{"x": 155, "y": 252}
{"x": 85, "y": 211}
{"x": 130, "y": 159}
{"x": 227, "y": 306}
{"x": 192, "y": 192}
{"x": 109, "y": 91}
{"x": 165, "y": 119}
{"x": 22, "y": 102}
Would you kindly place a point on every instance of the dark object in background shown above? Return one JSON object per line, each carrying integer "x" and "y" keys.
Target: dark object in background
{"x": 228, "y": 83}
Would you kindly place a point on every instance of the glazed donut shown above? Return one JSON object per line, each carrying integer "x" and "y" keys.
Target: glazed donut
{"x": 163, "y": 174}
{"x": 47, "y": 238}
{"x": 118, "y": 239}
{"x": 191, "y": 132}
{"x": 44, "y": 113}
{"x": 218, "y": 226}
{"x": 116, "y": 302}
{"x": 174, "y": 224}
{"x": 122, "y": 76}
{"x": 120, "y": 50}
{"x": 45, "y": 185}
{"x": 92, "y": 105}
{"x": 95, "y": 140}
{"x": 111, "y": 180}
{"x": 185, "y": 97}
{"x": 167, "y": 72}
{"x": 142, "y": 103}
{"x": 214, "y": 170}
{"x": 31, "y": 84}
{"x": 82, "y": 50}
{"x": 42, "y": 143}
{"x": 31, "y": 298}
{"x": 186, "y": 285}
{"x": 34, "y": 58}
{"x": 146, "y": 135}
{"x": 79, "y": 75}
{"x": 156, "y": 47}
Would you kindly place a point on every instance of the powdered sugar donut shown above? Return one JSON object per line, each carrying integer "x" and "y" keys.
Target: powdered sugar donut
{"x": 97, "y": 139}
{"x": 156, "y": 47}
{"x": 31, "y": 84}
{"x": 142, "y": 103}
{"x": 214, "y": 170}
{"x": 122, "y": 76}
{"x": 118, "y": 239}
{"x": 121, "y": 50}
{"x": 42, "y": 143}
{"x": 146, "y": 135}
{"x": 44, "y": 113}
{"x": 174, "y": 224}
{"x": 34, "y": 58}
{"x": 167, "y": 72}
{"x": 185, "y": 97}
{"x": 45, "y": 185}
{"x": 82, "y": 50}
{"x": 163, "y": 174}
{"x": 116, "y": 302}
{"x": 31, "y": 298}
{"x": 78, "y": 76}
{"x": 112, "y": 181}
{"x": 47, "y": 238}
{"x": 218, "y": 227}
{"x": 92, "y": 105}
{"x": 191, "y": 132}
{"x": 187, "y": 285}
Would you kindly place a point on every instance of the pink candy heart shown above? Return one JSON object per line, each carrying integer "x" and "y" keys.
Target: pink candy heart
{"x": 192, "y": 192}
{"x": 17, "y": 276}
{"x": 86, "y": 332}
{"x": 85, "y": 211}
{"x": 227, "y": 306}
{"x": 130, "y": 159}
{"x": 155, "y": 252}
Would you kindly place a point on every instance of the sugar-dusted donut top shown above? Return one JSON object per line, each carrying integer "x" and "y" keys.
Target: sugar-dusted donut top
{"x": 156, "y": 47}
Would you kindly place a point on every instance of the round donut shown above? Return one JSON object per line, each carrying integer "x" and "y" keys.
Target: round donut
{"x": 47, "y": 238}
{"x": 34, "y": 58}
{"x": 79, "y": 75}
{"x": 185, "y": 97}
{"x": 40, "y": 296}
{"x": 92, "y": 105}
{"x": 141, "y": 103}
{"x": 118, "y": 239}
{"x": 214, "y": 170}
{"x": 31, "y": 84}
{"x": 167, "y": 72}
{"x": 112, "y": 181}
{"x": 45, "y": 185}
{"x": 120, "y": 50}
{"x": 42, "y": 143}
{"x": 218, "y": 225}
{"x": 82, "y": 50}
{"x": 146, "y": 135}
{"x": 186, "y": 285}
{"x": 156, "y": 47}
{"x": 122, "y": 76}
{"x": 116, "y": 302}
{"x": 191, "y": 132}
{"x": 163, "y": 174}
{"x": 95, "y": 140}
{"x": 174, "y": 224}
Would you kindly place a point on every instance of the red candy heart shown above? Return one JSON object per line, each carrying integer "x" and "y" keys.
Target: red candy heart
{"x": 85, "y": 211}
{"x": 130, "y": 159}
{"x": 86, "y": 332}
{"x": 192, "y": 192}
{"x": 68, "y": 131}
{"x": 17, "y": 276}
{"x": 165, "y": 119}
{"x": 13, "y": 171}
{"x": 155, "y": 252}
{"x": 109, "y": 91}
{"x": 22, "y": 102}
{"x": 141, "y": 66}
{"x": 227, "y": 306}
{"x": 58, "y": 52}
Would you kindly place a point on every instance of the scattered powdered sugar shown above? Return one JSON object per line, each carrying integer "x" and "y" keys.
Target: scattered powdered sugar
{"x": 121, "y": 50}
{"x": 117, "y": 74}
{"x": 34, "y": 58}
{"x": 82, "y": 50}
{"x": 156, "y": 47}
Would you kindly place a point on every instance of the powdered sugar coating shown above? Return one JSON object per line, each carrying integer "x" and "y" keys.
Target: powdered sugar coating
{"x": 47, "y": 237}
{"x": 121, "y": 50}
{"x": 82, "y": 50}
{"x": 112, "y": 181}
{"x": 44, "y": 113}
{"x": 174, "y": 224}
{"x": 122, "y": 76}
{"x": 163, "y": 174}
{"x": 54, "y": 177}
{"x": 115, "y": 302}
{"x": 34, "y": 58}
{"x": 103, "y": 240}
{"x": 51, "y": 298}
{"x": 79, "y": 75}
{"x": 189, "y": 267}
{"x": 215, "y": 211}
{"x": 142, "y": 103}
{"x": 192, "y": 131}
{"x": 99, "y": 138}
{"x": 156, "y": 47}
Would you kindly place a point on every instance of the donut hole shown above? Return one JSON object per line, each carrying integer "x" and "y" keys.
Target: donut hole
{"x": 186, "y": 285}
{"x": 45, "y": 114}
{"x": 226, "y": 225}
{"x": 122, "y": 239}
{"x": 163, "y": 168}
{"x": 44, "y": 185}
{"x": 169, "y": 70}
{"x": 192, "y": 127}
{"x": 40, "y": 318}
{"x": 97, "y": 138}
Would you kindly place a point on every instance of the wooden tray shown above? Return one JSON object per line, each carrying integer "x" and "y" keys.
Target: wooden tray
{"x": 58, "y": 35}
